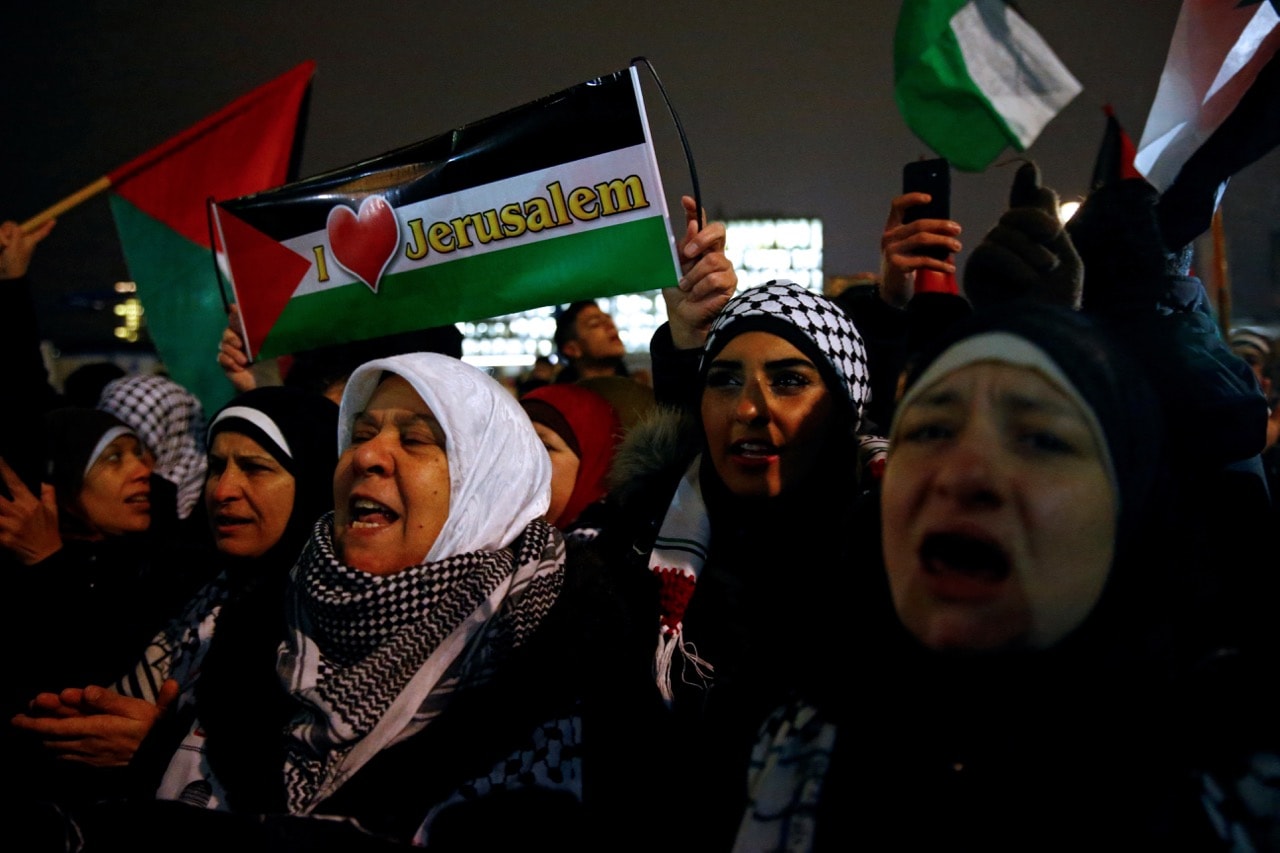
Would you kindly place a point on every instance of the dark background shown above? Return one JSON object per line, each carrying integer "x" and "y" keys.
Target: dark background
{"x": 788, "y": 108}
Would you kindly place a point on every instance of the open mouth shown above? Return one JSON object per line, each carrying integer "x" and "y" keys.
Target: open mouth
{"x": 370, "y": 513}
{"x": 753, "y": 450}
{"x": 977, "y": 559}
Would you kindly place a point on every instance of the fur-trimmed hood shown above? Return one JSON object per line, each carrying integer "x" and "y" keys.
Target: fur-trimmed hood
{"x": 653, "y": 455}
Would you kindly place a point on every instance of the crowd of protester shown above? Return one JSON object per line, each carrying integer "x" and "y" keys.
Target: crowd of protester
{"x": 971, "y": 566}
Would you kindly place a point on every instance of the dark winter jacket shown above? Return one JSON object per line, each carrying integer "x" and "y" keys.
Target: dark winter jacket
{"x": 778, "y": 590}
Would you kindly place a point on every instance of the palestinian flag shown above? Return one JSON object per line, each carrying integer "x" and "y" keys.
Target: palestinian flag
{"x": 1216, "y": 111}
{"x": 1114, "y": 162}
{"x": 160, "y": 205}
{"x": 553, "y": 201}
{"x": 1217, "y": 51}
{"x": 971, "y": 77}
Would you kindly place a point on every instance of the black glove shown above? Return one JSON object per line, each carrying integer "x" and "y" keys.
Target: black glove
{"x": 1028, "y": 254}
{"x": 1126, "y": 262}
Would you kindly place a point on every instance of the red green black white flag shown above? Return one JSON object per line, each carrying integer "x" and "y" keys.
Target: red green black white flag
{"x": 556, "y": 200}
{"x": 160, "y": 204}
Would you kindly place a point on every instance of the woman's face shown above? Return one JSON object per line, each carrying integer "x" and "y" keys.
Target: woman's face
{"x": 391, "y": 487}
{"x": 564, "y": 470}
{"x": 248, "y": 495}
{"x": 999, "y": 518}
{"x": 116, "y": 495}
{"x": 765, "y": 411}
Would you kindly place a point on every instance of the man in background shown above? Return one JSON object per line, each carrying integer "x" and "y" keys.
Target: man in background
{"x": 588, "y": 340}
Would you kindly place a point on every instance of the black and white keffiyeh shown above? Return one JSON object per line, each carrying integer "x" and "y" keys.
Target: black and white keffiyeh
{"x": 171, "y": 422}
{"x": 373, "y": 658}
{"x": 178, "y": 649}
{"x": 370, "y": 660}
{"x": 823, "y": 331}
{"x": 789, "y": 765}
{"x": 817, "y": 326}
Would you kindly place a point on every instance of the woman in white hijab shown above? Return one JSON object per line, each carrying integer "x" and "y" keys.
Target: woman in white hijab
{"x": 411, "y": 665}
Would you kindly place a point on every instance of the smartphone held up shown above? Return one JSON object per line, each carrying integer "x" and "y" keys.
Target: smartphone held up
{"x": 932, "y": 177}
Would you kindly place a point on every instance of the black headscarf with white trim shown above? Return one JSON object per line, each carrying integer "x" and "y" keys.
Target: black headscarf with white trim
{"x": 300, "y": 430}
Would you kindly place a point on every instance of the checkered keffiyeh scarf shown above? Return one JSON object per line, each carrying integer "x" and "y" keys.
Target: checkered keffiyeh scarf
{"x": 170, "y": 421}
{"x": 811, "y": 321}
{"x": 372, "y": 659}
{"x": 789, "y": 765}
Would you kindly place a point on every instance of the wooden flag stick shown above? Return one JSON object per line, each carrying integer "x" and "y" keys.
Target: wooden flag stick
{"x": 1222, "y": 284}
{"x": 80, "y": 195}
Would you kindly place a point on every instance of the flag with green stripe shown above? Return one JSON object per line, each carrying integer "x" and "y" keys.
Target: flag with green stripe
{"x": 160, "y": 205}
{"x": 556, "y": 200}
{"x": 971, "y": 77}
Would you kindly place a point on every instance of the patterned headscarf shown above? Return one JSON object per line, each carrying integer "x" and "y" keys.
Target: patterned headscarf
{"x": 368, "y": 660}
{"x": 170, "y": 420}
{"x": 818, "y": 327}
{"x": 821, "y": 330}
{"x": 368, "y": 652}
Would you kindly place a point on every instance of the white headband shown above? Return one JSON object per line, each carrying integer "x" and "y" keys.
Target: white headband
{"x": 107, "y": 437}
{"x": 259, "y": 420}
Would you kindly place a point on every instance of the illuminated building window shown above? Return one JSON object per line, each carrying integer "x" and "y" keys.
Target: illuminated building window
{"x": 129, "y": 310}
{"x": 761, "y": 249}
{"x": 764, "y": 249}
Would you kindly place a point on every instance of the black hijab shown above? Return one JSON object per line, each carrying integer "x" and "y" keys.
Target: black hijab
{"x": 300, "y": 430}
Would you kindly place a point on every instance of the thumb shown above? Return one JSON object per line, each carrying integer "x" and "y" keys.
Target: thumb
{"x": 1027, "y": 190}
{"x": 49, "y": 498}
{"x": 168, "y": 693}
{"x": 1026, "y": 183}
{"x": 42, "y": 230}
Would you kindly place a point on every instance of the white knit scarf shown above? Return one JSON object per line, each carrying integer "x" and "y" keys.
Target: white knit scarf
{"x": 678, "y": 555}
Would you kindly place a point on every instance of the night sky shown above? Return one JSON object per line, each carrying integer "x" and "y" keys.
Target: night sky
{"x": 788, "y": 108}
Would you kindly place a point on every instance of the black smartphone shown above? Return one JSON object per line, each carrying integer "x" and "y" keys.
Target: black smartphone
{"x": 932, "y": 177}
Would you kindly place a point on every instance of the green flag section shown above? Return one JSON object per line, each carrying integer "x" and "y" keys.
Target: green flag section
{"x": 556, "y": 200}
{"x": 972, "y": 78}
{"x": 185, "y": 323}
{"x": 616, "y": 258}
{"x": 160, "y": 206}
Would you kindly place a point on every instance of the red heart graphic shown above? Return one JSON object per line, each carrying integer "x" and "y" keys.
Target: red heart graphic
{"x": 364, "y": 244}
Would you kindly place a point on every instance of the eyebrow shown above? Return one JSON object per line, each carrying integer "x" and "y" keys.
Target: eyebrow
{"x": 1014, "y": 400}
{"x": 124, "y": 442}
{"x": 119, "y": 444}
{"x": 776, "y": 364}
{"x": 401, "y": 418}
{"x": 254, "y": 455}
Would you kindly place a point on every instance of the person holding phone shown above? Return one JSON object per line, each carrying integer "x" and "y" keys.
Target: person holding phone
{"x": 917, "y": 255}
{"x": 919, "y": 233}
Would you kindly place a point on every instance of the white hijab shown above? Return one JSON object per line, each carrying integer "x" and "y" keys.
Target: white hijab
{"x": 499, "y": 472}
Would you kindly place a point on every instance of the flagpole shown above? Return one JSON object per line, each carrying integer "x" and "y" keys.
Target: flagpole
{"x": 81, "y": 195}
{"x": 1222, "y": 287}
{"x": 227, "y": 114}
